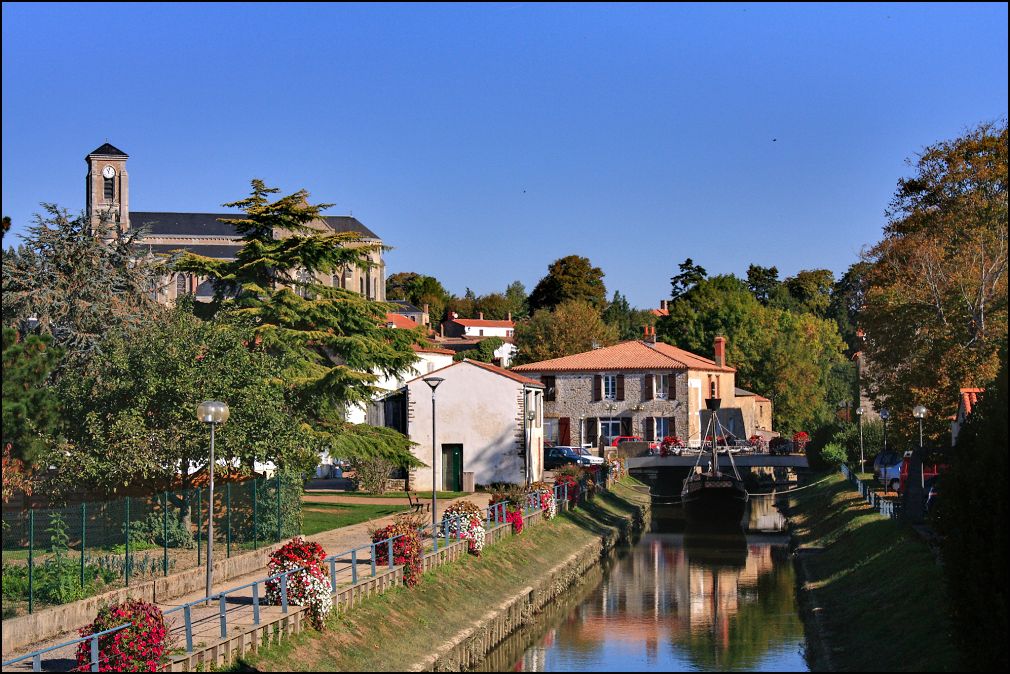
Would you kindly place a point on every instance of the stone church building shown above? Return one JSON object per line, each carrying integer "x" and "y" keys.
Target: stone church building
{"x": 108, "y": 192}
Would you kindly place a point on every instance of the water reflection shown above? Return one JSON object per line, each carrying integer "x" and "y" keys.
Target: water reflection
{"x": 687, "y": 597}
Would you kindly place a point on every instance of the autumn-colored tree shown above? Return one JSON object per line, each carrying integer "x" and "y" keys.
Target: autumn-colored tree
{"x": 571, "y": 278}
{"x": 573, "y": 327}
{"x": 935, "y": 310}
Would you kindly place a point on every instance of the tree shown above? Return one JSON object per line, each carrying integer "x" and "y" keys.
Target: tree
{"x": 571, "y": 278}
{"x": 936, "y": 290}
{"x": 494, "y": 306}
{"x": 419, "y": 290}
{"x": 763, "y": 282}
{"x": 77, "y": 283}
{"x": 30, "y": 409}
{"x": 132, "y": 419}
{"x": 810, "y": 291}
{"x": 847, "y": 298}
{"x": 573, "y": 327}
{"x": 484, "y": 351}
{"x": 690, "y": 275}
{"x": 333, "y": 342}
{"x": 625, "y": 319}
{"x": 518, "y": 302}
{"x": 972, "y": 518}
{"x": 795, "y": 359}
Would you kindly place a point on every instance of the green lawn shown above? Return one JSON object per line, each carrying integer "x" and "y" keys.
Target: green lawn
{"x": 318, "y": 517}
{"x": 391, "y": 494}
{"x": 878, "y": 587}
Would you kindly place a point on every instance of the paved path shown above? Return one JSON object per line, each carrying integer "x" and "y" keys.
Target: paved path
{"x": 239, "y": 606}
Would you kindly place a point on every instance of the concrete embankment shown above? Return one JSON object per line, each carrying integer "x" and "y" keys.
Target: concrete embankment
{"x": 870, "y": 592}
{"x": 461, "y": 611}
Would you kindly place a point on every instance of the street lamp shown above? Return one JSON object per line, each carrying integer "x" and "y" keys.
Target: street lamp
{"x": 433, "y": 382}
{"x": 919, "y": 412}
{"x": 884, "y": 416}
{"x": 862, "y": 462}
{"x": 211, "y": 412}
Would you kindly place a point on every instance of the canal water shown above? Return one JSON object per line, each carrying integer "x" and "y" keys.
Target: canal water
{"x": 685, "y": 597}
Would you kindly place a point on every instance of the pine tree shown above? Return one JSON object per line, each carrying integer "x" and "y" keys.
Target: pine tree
{"x": 333, "y": 342}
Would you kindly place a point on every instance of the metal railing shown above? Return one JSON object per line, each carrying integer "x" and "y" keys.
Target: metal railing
{"x": 887, "y": 507}
{"x": 447, "y": 530}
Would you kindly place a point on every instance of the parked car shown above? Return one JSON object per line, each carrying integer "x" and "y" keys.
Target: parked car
{"x": 887, "y": 470}
{"x": 556, "y": 457}
{"x": 593, "y": 459}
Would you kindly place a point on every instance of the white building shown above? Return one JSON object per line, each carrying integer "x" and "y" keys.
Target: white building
{"x": 489, "y": 422}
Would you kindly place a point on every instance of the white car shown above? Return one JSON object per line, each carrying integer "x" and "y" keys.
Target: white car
{"x": 593, "y": 459}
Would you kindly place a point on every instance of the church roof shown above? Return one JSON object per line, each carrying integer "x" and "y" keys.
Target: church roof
{"x": 108, "y": 150}
{"x": 209, "y": 224}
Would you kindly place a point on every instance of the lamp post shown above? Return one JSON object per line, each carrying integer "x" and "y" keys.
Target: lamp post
{"x": 530, "y": 416}
{"x": 433, "y": 382}
{"x": 884, "y": 416}
{"x": 211, "y": 412}
{"x": 862, "y": 462}
{"x": 919, "y": 412}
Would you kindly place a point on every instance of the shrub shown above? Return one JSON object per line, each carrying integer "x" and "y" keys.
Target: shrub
{"x": 372, "y": 474}
{"x": 833, "y": 454}
{"x": 407, "y": 551}
{"x": 138, "y": 648}
{"x": 151, "y": 530}
{"x": 309, "y": 587}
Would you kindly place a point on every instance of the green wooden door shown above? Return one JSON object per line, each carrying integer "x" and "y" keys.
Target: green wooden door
{"x": 452, "y": 467}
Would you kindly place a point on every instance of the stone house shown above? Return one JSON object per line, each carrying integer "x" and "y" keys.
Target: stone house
{"x": 489, "y": 422}
{"x": 640, "y": 387}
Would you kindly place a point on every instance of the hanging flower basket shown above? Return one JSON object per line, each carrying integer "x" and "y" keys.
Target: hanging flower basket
{"x": 406, "y": 550}
{"x": 465, "y": 520}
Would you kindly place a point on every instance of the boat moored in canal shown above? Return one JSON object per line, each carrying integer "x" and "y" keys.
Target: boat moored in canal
{"x": 711, "y": 494}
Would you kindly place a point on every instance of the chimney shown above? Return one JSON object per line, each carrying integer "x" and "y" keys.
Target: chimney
{"x": 650, "y": 334}
{"x": 720, "y": 351}
{"x": 510, "y": 317}
{"x": 441, "y": 330}
{"x": 664, "y": 305}
{"x": 425, "y": 318}
{"x": 480, "y": 315}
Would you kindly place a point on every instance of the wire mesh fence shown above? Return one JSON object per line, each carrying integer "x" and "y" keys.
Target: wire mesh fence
{"x": 57, "y": 555}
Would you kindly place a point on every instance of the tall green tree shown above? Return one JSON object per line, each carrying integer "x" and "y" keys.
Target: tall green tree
{"x": 847, "y": 299}
{"x": 690, "y": 275}
{"x": 625, "y": 319}
{"x": 571, "y": 278}
{"x": 77, "y": 283}
{"x": 763, "y": 282}
{"x": 935, "y": 309}
{"x": 795, "y": 359}
{"x": 419, "y": 290}
{"x": 132, "y": 418}
{"x": 810, "y": 291}
{"x": 573, "y": 327}
{"x": 518, "y": 300}
{"x": 333, "y": 342}
{"x": 30, "y": 408}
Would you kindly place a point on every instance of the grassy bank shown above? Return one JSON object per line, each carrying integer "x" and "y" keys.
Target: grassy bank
{"x": 873, "y": 594}
{"x": 390, "y": 631}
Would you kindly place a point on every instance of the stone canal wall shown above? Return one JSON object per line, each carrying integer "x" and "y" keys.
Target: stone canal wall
{"x": 470, "y": 646}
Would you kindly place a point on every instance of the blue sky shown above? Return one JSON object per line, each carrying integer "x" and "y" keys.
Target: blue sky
{"x": 484, "y": 141}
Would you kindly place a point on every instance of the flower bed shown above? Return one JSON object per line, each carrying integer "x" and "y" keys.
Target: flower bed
{"x": 465, "y": 520}
{"x": 407, "y": 551}
{"x": 309, "y": 587}
{"x": 138, "y": 648}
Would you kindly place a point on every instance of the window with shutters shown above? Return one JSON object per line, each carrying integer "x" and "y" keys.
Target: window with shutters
{"x": 662, "y": 428}
{"x": 110, "y": 189}
{"x": 609, "y": 429}
{"x": 610, "y": 387}
{"x": 550, "y": 390}
{"x": 662, "y": 386}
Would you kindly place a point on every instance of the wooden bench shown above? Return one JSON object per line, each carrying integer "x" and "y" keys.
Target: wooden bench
{"x": 417, "y": 504}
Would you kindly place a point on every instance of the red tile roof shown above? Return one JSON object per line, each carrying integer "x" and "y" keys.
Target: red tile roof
{"x": 633, "y": 355}
{"x": 400, "y": 321}
{"x": 432, "y": 349}
{"x": 659, "y": 312}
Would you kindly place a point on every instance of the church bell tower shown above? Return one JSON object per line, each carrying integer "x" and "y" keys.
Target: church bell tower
{"x": 108, "y": 186}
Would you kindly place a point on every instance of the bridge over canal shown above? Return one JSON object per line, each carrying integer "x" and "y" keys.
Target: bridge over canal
{"x": 741, "y": 460}
{"x": 665, "y": 474}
